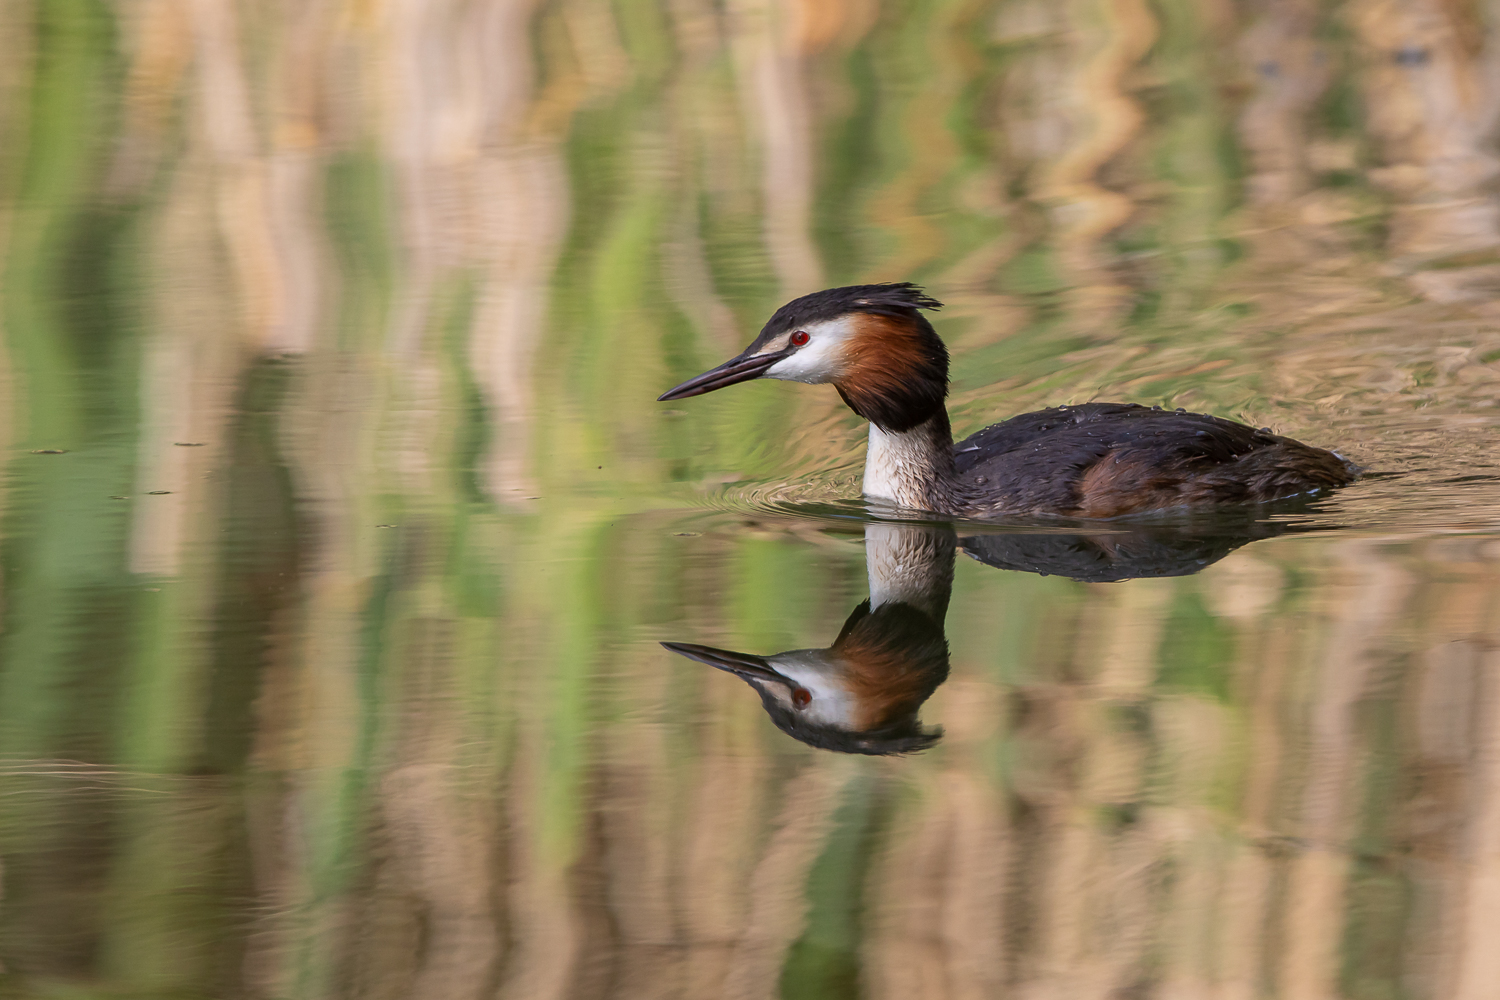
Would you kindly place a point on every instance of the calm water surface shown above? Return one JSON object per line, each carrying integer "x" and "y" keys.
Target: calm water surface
{"x": 341, "y": 530}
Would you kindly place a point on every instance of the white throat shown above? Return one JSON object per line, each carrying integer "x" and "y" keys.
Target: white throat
{"x": 910, "y": 565}
{"x": 899, "y": 465}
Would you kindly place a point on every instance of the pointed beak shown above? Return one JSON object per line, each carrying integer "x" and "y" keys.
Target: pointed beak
{"x": 744, "y": 665}
{"x": 740, "y": 369}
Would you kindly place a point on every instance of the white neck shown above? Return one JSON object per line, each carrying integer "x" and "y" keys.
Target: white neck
{"x": 909, "y": 564}
{"x": 901, "y": 466}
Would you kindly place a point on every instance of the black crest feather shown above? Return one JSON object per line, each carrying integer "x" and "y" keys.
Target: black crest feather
{"x": 897, "y": 298}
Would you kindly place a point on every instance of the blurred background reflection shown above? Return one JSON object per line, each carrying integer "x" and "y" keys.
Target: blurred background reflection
{"x": 339, "y": 527}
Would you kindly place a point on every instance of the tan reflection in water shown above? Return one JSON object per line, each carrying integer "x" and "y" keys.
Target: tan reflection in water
{"x": 443, "y": 128}
{"x": 484, "y": 235}
{"x": 1430, "y": 83}
{"x": 1235, "y": 866}
{"x": 1115, "y": 35}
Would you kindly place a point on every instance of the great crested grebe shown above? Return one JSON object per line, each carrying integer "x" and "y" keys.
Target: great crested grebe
{"x": 862, "y": 694}
{"x": 1092, "y": 460}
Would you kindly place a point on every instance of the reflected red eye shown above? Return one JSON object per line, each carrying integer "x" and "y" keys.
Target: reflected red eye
{"x": 802, "y": 696}
{"x": 799, "y": 338}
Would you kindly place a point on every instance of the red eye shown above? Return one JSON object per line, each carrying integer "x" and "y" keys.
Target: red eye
{"x": 799, "y": 338}
{"x": 802, "y": 696}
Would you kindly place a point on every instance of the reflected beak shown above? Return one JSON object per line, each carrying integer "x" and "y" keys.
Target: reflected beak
{"x": 740, "y": 369}
{"x": 745, "y": 665}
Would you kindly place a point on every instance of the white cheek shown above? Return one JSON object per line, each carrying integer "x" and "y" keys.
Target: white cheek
{"x": 823, "y": 357}
{"x": 831, "y": 703}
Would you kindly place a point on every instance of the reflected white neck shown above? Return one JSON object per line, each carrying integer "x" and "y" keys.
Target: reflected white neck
{"x": 908, "y": 565}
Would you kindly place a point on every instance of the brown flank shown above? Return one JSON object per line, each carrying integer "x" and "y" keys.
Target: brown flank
{"x": 1134, "y": 480}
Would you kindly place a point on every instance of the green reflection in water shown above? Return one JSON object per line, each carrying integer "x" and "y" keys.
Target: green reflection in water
{"x": 825, "y": 960}
{"x": 347, "y": 712}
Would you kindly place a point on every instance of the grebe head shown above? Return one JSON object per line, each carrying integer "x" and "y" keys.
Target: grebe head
{"x": 862, "y": 694}
{"x": 870, "y": 341}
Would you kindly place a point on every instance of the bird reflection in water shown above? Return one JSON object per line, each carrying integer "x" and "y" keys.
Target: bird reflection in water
{"x": 862, "y": 694}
